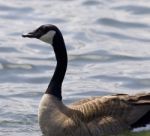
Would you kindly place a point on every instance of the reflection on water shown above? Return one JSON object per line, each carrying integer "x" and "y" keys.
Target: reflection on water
{"x": 108, "y": 50}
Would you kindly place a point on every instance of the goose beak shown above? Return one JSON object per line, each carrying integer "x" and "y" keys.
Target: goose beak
{"x": 33, "y": 34}
{"x": 29, "y": 35}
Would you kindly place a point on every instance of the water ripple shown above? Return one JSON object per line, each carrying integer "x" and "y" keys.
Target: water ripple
{"x": 91, "y": 3}
{"x": 6, "y": 8}
{"x": 139, "y": 10}
{"x": 121, "y": 24}
{"x": 121, "y": 36}
{"x": 8, "y": 49}
{"x": 129, "y": 82}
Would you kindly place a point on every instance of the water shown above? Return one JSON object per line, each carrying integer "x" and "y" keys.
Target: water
{"x": 108, "y": 46}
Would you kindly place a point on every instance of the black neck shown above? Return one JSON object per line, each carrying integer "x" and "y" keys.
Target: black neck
{"x": 55, "y": 84}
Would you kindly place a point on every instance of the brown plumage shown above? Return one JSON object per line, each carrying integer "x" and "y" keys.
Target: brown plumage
{"x": 95, "y": 116}
{"x": 123, "y": 109}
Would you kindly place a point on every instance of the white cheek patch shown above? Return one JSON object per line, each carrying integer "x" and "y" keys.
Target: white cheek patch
{"x": 48, "y": 37}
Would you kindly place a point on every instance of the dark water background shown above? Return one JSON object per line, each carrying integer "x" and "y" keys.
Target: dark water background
{"x": 108, "y": 44}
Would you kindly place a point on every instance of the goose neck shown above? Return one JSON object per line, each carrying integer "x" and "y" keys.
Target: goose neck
{"x": 55, "y": 84}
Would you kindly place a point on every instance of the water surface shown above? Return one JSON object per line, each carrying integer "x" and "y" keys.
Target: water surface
{"x": 108, "y": 46}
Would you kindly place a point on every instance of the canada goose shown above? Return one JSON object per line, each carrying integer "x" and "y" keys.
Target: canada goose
{"x": 96, "y": 116}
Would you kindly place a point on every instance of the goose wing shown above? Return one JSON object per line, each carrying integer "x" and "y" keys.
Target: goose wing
{"x": 120, "y": 108}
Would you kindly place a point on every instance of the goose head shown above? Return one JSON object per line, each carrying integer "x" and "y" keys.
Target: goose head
{"x": 45, "y": 33}
{"x": 52, "y": 35}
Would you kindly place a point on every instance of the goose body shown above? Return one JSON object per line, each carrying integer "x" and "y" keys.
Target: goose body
{"x": 95, "y": 116}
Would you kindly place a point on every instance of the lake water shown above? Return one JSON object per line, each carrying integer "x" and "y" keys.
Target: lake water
{"x": 108, "y": 44}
